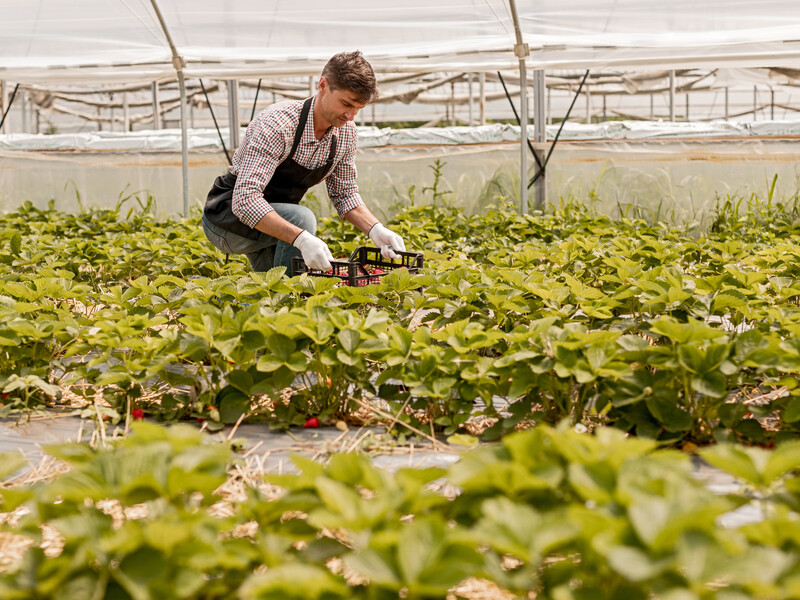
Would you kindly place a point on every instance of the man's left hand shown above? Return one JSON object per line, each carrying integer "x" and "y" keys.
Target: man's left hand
{"x": 387, "y": 240}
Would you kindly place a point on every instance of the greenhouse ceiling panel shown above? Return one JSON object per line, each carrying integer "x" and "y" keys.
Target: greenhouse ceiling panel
{"x": 108, "y": 40}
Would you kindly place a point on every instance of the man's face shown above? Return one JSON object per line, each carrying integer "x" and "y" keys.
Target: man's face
{"x": 337, "y": 107}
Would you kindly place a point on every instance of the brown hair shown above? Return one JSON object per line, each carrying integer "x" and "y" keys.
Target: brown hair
{"x": 352, "y": 72}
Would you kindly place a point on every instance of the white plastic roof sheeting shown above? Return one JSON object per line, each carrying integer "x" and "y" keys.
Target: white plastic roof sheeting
{"x": 93, "y": 41}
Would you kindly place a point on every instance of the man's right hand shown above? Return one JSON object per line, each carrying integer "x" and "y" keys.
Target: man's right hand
{"x": 316, "y": 253}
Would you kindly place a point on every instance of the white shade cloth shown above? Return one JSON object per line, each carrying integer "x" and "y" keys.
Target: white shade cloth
{"x": 94, "y": 41}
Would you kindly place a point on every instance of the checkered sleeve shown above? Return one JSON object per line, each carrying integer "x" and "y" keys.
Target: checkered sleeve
{"x": 341, "y": 183}
{"x": 264, "y": 147}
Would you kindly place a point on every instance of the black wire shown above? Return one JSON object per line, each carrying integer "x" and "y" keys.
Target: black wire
{"x": 10, "y": 102}
{"x": 253, "y": 113}
{"x": 516, "y": 116}
{"x": 558, "y": 133}
{"x": 219, "y": 133}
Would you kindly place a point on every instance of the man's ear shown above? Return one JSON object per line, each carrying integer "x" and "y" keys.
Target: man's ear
{"x": 322, "y": 84}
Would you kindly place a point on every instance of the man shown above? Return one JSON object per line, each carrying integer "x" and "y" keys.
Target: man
{"x": 254, "y": 209}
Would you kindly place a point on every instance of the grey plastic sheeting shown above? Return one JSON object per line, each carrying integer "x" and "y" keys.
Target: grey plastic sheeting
{"x": 169, "y": 140}
{"x": 28, "y": 438}
{"x": 267, "y": 449}
{"x": 271, "y": 451}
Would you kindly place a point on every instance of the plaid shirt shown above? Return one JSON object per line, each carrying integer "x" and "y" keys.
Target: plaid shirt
{"x": 268, "y": 142}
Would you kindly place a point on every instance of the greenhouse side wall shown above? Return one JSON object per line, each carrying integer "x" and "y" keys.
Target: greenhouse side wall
{"x": 672, "y": 178}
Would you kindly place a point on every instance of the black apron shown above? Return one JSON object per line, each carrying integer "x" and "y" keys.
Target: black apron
{"x": 289, "y": 184}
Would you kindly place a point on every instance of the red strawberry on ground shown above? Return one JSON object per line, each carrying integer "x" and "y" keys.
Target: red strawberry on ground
{"x": 311, "y": 423}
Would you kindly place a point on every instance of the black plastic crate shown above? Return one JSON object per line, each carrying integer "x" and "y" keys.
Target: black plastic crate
{"x": 366, "y": 266}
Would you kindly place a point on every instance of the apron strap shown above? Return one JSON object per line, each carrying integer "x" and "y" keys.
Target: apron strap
{"x": 333, "y": 149}
{"x": 301, "y": 126}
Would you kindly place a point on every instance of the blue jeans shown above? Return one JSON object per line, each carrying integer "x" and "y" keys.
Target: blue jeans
{"x": 265, "y": 252}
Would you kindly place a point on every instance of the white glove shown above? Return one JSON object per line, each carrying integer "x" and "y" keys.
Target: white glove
{"x": 316, "y": 253}
{"x": 388, "y": 241}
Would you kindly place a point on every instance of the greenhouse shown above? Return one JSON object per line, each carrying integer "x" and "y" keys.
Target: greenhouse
{"x": 555, "y": 354}
{"x": 646, "y": 63}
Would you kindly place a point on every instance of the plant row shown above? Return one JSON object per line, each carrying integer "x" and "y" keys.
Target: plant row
{"x": 548, "y": 512}
{"x": 542, "y": 317}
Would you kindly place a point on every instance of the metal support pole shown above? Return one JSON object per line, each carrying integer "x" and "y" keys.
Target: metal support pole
{"x": 156, "y": 107}
{"x": 32, "y": 113}
{"x": 23, "y": 104}
{"x": 687, "y": 106}
{"x": 523, "y": 122}
{"x": 7, "y": 108}
{"x": 233, "y": 113}
{"x": 529, "y": 91}
{"x": 469, "y": 94}
{"x": 184, "y": 144}
{"x": 521, "y": 50}
{"x": 772, "y": 105}
{"x": 483, "y": 98}
{"x": 755, "y": 102}
{"x": 180, "y": 65}
{"x": 605, "y": 116}
{"x": 452, "y": 104}
{"x": 543, "y": 165}
{"x": 111, "y": 112}
{"x": 672, "y": 96}
{"x": 99, "y": 122}
{"x": 549, "y": 106}
{"x": 727, "y": 111}
{"x": 30, "y": 123}
{"x": 126, "y": 113}
{"x": 652, "y": 112}
{"x": 540, "y": 111}
{"x": 2, "y": 104}
{"x": 588, "y": 105}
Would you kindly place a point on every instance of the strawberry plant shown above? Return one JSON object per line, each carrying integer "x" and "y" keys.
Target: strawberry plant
{"x": 549, "y": 511}
{"x": 523, "y": 318}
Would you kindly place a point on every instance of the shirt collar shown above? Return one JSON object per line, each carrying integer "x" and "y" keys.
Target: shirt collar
{"x": 308, "y": 134}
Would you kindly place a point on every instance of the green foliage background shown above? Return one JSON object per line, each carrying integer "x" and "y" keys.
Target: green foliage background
{"x": 672, "y": 335}
{"x": 626, "y": 326}
{"x": 549, "y": 511}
